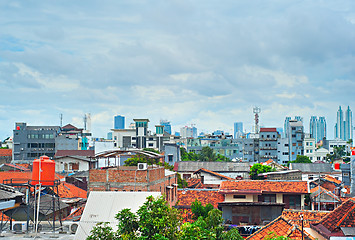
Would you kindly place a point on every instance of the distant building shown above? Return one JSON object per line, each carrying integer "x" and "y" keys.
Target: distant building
{"x": 167, "y": 125}
{"x": 31, "y": 142}
{"x": 238, "y": 129}
{"x": 295, "y": 135}
{"x": 188, "y": 132}
{"x": 344, "y": 128}
{"x": 119, "y": 122}
{"x": 318, "y": 128}
{"x": 268, "y": 144}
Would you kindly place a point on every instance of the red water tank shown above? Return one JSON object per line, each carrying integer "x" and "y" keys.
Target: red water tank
{"x": 43, "y": 171}
{"x": 337, "y": 166}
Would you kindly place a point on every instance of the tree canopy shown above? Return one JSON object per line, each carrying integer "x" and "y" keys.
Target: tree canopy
{"x": 156, "y": 220}
{"x": 301, "y": 159}
{"x": 258, "y": 168}
{"x": 205, "y": 155}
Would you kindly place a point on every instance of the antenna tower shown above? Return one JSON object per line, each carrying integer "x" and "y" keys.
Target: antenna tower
{"x": 61, "y": 119}
{"x": 256, "y": 111}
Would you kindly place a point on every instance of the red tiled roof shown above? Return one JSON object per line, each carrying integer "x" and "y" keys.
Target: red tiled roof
{"x": 342, "y": 216}
{"x": 213, "y": 173}
{"x": 5, "y": 152}
{"x": 268, "y": 130}
{"x": 76, "y": 215}
{"x": 15, "y": 176}
{"x": 194, "y": 183}
{"x": 85, "y": 153}
{"x": 265, "y": 186}
{"x": 24, "y": 165}
{"x": 308, "y": 216}
{"x": 280, "y": 227}
{"x": 68, "y": 190}
{"x": 332, "y": 179}
{"x": 16, "y": 167}
{"x": 186, "y": 197}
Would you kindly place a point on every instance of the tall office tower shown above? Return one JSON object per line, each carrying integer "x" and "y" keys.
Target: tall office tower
{"x": 299, "y": 118}
{"x": 313, "y": 127}
{"x": 322, "y": 128}
{"x": 348, "y": 124}
{"x": 119, "y": 122}
{"x": 344, "y": 129}
{"x": 339, "y": 125}
{"x": 238, "y": 129}
{"x": 167, "y": 125}
{"x": 318, "y": 128}
{"x": 286, "y": 124}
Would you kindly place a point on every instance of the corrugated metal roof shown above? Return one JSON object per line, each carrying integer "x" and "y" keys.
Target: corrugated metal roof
{"x": 103, "y": 207}
{"x": 190, "y": 166}
{"x": 312, "y": 167}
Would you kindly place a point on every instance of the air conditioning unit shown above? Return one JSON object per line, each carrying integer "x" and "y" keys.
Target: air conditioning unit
{"x": 73, "y": 227}
{"x": 142, "y": 166}
{"x": 19, "y": 227}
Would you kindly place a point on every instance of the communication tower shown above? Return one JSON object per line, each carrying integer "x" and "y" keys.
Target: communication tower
{"x": 256, "y": 111}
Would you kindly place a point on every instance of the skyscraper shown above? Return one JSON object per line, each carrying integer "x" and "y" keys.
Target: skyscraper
{"x": 344, "y": 129}
{"x": 286, "y": 124}
{"x": 119, "y": 122}
{"x": 167, "y": 125}
{"x": 238, "y": 129}
{"x": 317, "y": 128}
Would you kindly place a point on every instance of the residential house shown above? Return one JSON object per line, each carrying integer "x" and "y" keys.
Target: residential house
{"x": 260, "y": 201}
{"x": 273, "y": 164}
{"x": 281, "y": 227}
{"x": 339, "y": 224}
{"x": 230, "y": 169}
{"x": 209, "y": 178}
{"x": 323, "y": 199}
{"x": 312, "y": 171}
{"x": 73, "y": 163}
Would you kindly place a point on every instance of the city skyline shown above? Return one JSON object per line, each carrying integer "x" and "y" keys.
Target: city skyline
{"x": 198, "y": 62}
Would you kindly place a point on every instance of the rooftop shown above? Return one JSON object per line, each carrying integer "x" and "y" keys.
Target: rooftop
{"x": 265, "y": 186}
{"x": 213, "y": 173}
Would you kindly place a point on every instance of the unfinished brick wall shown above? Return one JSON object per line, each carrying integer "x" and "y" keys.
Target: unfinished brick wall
{"x": 130, "y": 179}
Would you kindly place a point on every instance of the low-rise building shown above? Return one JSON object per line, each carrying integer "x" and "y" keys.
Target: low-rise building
{"x": 260, "y": 201}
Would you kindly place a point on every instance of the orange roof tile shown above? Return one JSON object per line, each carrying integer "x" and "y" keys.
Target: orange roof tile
{"x": 342, "y": 216}
{"x": 76, "y": 215}
{"x": 332, "y": 179}
{"x": 186, "y": 197}
{"x": 195, "y": 183}
{"x": 308, "y": 216}
{"x": 213, "y": 173}
{"x": 281, "y": 227}
{"x": 5, "y": 152}
{"x": 68, "y": 190}
{"x": 265, "y": 186}
{"x": 15, "y": 176}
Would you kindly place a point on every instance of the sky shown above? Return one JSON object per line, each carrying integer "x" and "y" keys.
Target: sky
{"x": 201, "y": 62}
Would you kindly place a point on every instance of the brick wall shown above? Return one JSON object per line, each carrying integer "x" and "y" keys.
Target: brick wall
{"x": 130, "y": 179}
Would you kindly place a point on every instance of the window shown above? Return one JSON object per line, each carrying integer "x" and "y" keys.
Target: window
{"x": 239, "y": 196}
{"x": 170, "y": 157}
{"x": 307, "y": 143}
{"x": 150, "y": 144}
{"x": 311, "y": 144}
{"x": 270, "y": 198}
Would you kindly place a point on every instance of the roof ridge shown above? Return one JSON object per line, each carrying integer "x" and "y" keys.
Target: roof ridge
{"x": 346, "y": 215}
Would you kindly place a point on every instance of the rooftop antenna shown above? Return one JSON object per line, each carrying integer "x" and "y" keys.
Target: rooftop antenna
{"x": 85, "y": 121}
{"x": 256, "y": 111}
{"x": 61, "y": 119}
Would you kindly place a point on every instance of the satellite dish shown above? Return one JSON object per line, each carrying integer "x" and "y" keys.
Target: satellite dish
{"x": 344, "y": 190}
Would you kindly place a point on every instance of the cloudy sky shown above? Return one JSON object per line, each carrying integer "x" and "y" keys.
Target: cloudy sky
{"x": 200, "y": 62}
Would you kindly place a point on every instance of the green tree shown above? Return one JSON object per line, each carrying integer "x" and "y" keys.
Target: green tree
{"x": 338, "y": 152}
{"x": 300, "y": 159}
{"x": 199, "y": 210}
{"x": 154, "y": 220}
{"x": 274, "y": 236}
{"x": 258, "y": 168}
{"x": 206, "y": 155}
